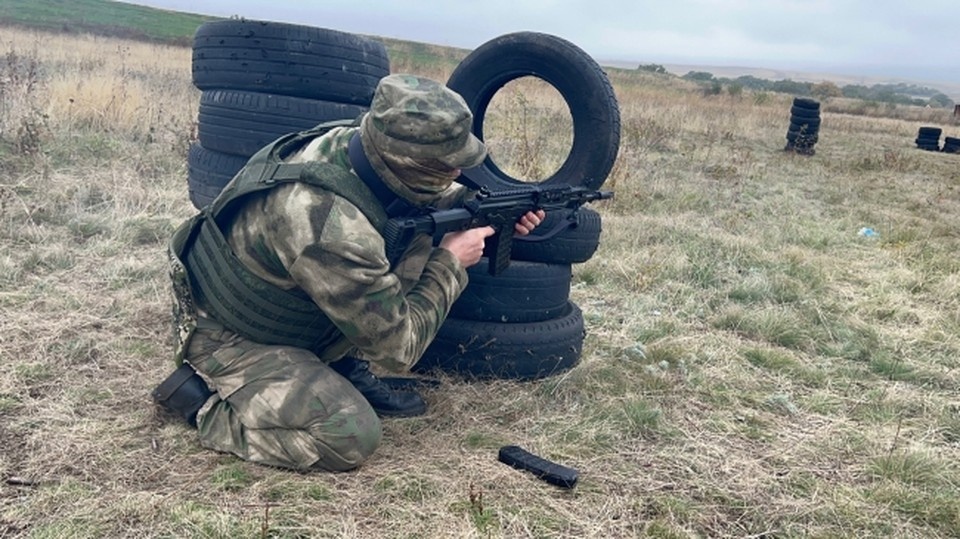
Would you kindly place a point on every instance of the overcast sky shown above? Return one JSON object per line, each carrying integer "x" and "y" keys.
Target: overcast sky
{"x": 917, "y": 39}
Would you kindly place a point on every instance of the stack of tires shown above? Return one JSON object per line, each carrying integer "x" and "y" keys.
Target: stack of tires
{"x": 261, "y": 80}
{"x": 522, "y": 324}
{"x": 804, "y": 129}
{"x": 928, "y": 138}
{"x": 951, "y": 145}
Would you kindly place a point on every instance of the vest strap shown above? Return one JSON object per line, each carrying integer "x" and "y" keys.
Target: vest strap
{"x": 393, "y": 204}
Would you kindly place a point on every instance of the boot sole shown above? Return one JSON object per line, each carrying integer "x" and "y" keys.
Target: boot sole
{"x": 419, "y": 411}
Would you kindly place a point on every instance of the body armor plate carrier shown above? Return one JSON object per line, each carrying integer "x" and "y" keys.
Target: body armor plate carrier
{"x": 233, "y": 295}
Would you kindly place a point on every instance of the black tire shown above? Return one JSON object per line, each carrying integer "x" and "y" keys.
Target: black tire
{"x": 797, "y": 123}
{"x": 564, "y": 237}
{"x": 798, "y": 113}
{"x": 240, "y": 123}
{"x": 487, "y": 350}
{"x": 800, "y": 149}
{"x": 575, "y": 75}
{"x": 929, "y": 144}
{"x": 930, "y": 132}
{"x": 524, "y": 292}
{"x": 798, "y": 137}
{"x": 209, "y": 172}
{"x": 288, "y": 59}
{"x": 800, "y": 131}
{"x": 806, "y": 103}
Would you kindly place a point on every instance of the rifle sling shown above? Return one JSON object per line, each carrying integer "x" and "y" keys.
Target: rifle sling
{"x": 393, "y": 204}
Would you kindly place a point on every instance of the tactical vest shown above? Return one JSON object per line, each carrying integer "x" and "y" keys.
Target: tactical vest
{"x": 204, "y": 267}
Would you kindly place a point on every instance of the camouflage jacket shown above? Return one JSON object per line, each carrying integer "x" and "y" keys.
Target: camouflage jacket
{"x": 317, "y": 244}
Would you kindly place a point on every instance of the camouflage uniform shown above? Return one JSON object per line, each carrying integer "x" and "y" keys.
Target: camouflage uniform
{"x": 279, "y": 404}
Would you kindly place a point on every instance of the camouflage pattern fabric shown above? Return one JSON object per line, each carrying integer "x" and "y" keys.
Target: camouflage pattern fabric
{"x": 184, "y": 310}
{"x": 422, "y": 119}
{"x": 281, "y": 405}
{"x": 301, "y": 236}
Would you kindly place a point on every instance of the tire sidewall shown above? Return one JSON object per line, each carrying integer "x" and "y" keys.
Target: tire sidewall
{"x": 578, "y": 79}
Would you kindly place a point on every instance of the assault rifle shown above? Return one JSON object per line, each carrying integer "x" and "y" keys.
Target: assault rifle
{"x": 500, "y": 209}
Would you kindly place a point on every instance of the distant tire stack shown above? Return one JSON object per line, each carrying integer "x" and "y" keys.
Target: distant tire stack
{"x": 804, "y": 129}
{"x": 521, "y": 324}
{"x": 928, "y": 138}
{"x": 261, "y": 80}
{"x": 951, "y": 145}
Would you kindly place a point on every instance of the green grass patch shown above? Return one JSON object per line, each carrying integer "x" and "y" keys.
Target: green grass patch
{"x": 760, "y": 288}
{"x": 913, "y": 468}
{"x": 232, "y": 477}
{"x": 775, "y": 325}
{"x": 108, "y": 18}
{"x": 937, "y": 509}
{"x": 145, "y": 230}
{"x": 8, "y": 402}
{"x": 193, "y": 519}
{"x": 407, "y": 487}
{"x": 784, "y": 362}
{"x": 31, "y": 373}
{"x": 481, "y": 440}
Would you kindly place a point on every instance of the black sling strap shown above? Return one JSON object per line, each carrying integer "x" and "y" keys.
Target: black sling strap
{"x": 393, "y": 204}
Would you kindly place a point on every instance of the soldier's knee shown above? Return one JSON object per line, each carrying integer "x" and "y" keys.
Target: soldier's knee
{"x": 370, "y": 435}
{"x": 355, "y": 439}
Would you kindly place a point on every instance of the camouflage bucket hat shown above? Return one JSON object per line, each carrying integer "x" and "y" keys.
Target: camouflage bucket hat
{"x": 422, "y": 119}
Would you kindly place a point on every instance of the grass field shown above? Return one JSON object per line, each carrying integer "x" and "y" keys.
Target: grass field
{"x": 102, "y": 17}
{"x": 753, "y": 367}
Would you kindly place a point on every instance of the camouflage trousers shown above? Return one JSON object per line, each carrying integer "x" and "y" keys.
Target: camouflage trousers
{"x": 279, "y": 405}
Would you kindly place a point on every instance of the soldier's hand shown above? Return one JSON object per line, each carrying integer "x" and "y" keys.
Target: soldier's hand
{"x": 529, "y": 221}
{"x": 467, "y": 245}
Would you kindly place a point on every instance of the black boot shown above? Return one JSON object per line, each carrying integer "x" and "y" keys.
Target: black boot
{"x": 387, "y": 399}
{"x": 183, "y": 392}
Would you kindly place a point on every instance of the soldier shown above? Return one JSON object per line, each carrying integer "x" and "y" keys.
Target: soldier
{"x": 284, "y": 291}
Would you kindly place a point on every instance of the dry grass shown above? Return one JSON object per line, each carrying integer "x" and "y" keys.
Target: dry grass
{"x": 528, "y": 128}
{"x": 753, "y": 367}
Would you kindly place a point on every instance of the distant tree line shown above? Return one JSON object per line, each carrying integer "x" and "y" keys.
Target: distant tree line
{"x": 898, "y": 93}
